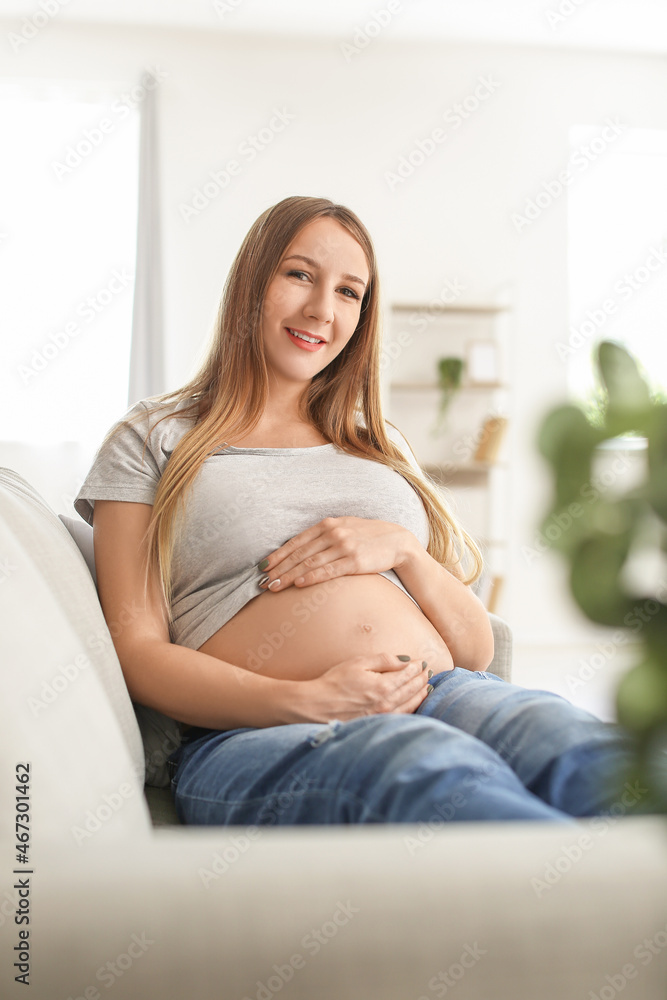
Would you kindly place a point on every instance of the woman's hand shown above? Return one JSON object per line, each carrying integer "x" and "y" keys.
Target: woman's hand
{"x": 367, "y": 685}
{"x": 337, "y": 546}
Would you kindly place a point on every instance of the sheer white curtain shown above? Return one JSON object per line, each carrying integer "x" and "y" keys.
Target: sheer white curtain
{"x": 70, "y": 174}
{"x": 617, "y": 254}
{"x": 147, "y": 368}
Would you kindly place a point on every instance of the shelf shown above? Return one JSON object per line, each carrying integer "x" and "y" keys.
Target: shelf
{"x": 420, "y": 386}
{"x": 453, "y": 468}
{"x": 475, "y": 332}
{"x": 487, "y": 543}
{"x": 461, "y": 307}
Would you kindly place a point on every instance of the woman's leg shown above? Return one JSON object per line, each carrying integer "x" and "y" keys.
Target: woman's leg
{"x": 566, "y": 756}
{"x": 376, "y": 769}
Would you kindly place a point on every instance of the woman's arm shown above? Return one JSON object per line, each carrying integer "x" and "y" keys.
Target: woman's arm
{"x": 200, "y": 689}
{"x": 450, "y": 605}
{"x": 182, "y": 683}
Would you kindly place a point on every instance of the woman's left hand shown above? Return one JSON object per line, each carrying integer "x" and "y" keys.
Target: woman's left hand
{"x": 338, "y": 546}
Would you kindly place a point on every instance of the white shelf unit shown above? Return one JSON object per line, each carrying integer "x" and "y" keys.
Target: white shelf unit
{"x": 416, "y": 337}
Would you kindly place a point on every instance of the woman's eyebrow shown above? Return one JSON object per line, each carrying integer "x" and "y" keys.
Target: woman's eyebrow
{"x": 313, "y": 263}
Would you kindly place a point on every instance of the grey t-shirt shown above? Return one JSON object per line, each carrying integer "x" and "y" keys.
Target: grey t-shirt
{"x": 243, "y": 504}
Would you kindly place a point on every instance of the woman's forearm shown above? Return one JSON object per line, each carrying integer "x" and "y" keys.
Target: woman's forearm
{"x": 451, "y": 607}
{"x": 200, "y": 689}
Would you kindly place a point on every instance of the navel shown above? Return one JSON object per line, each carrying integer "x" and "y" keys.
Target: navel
{"x": 366, "y": 628}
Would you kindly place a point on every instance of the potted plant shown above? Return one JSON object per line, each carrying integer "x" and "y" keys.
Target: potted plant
{"x": 450, "y": 374}
{"x": 600, "y": 537}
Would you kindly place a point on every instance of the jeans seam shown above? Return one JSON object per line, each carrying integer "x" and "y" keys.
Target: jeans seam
{"x": 320, "y": 792}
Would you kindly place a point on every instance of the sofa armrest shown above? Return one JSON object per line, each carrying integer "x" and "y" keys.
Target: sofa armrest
{"x": 240, "y": 912}
{"x": 502, "y": 657}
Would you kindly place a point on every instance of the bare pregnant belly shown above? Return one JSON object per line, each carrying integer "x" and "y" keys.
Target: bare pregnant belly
{"x": 298, "y": 633}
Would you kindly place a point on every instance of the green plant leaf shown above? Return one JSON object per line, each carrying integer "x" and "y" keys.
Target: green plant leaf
{"x": 450, "y": 372}
{"x": 597, "y": 535}
{"x": 628, "y": 392}
{"x": 656, "y": 491}
{"x": 641, "y": 697}
{"x": 596, "y": 566}
{"x": 567, "y": 441}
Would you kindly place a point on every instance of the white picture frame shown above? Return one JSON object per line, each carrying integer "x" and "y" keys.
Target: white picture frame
{"x": 482, "y": 362}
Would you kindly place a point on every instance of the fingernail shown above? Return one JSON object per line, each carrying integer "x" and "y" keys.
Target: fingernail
{"x": 262, "y": 581}
{"x": 264, "y": 563}
{"x": 430, "y": 674}
{"x": 404, "y": 658}
{"x": 429, "y": 688}
{"x": 424, "y": 664}
{"x": 274, "y": 583}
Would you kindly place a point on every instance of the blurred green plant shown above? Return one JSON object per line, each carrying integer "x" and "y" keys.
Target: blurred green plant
{"x": 594, "y": 404}
{"x": 450, "y": 375}
{"x": 600, "y": 537}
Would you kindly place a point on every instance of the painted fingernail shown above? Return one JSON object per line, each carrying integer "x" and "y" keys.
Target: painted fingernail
{"x": 429, "y": 688}
{"x": 263, "y": 565}
{"x": 403, "y": 657}
{"x": 274, "y": 583}
{"x": 262, "y": 581}
{"x": 430, "y": 674}
{"x": 424, "y": 664}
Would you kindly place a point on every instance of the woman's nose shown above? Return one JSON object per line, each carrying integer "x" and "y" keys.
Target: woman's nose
{"x": 320, "y": 305}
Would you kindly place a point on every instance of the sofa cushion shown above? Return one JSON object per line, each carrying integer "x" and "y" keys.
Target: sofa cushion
{"x": 501, "y": 665}
{"x": 160, "y": 735}
{"x": 64, "y": 703}
{"x": 82, "y": 534}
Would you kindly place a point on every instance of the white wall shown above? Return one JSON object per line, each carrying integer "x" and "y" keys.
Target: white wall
{"x": 450, "y": 220}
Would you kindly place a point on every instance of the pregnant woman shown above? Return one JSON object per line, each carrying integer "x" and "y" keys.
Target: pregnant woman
{"x": 300, "y": 593}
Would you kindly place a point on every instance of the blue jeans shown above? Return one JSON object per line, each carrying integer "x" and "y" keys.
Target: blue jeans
{"x": 477, "y": 748}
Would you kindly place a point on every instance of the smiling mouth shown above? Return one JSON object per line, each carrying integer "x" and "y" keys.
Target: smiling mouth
{"x": 304, "y": 340}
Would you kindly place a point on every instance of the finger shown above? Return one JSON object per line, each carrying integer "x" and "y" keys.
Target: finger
{"x": 297, "y": 558}
{"x": 384, "y": 661}
{"x": 410, "y": 706}
{"x": 331, "y": 569}
{"x": 306, "y": 577}
{"x": 409, "y": 696}
{"x": 287, "y": 549}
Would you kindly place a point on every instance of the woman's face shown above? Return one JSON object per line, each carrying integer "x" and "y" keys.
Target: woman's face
{"x": 317, "y": 293}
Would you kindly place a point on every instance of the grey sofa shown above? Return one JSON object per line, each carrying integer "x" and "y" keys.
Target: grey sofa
{"x": 120, "y": 897}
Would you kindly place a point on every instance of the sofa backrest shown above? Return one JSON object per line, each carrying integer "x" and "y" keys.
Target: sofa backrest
{"x": 64, "y": 705}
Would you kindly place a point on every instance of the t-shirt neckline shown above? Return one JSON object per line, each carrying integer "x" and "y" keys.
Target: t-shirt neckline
{"x": 274, "y": 451}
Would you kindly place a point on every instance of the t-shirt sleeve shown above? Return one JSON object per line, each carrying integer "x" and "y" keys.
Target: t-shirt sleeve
{"x": 126, "y": 466}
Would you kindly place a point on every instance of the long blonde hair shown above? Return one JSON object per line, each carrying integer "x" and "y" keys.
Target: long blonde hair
{"x": 228, "y": 394}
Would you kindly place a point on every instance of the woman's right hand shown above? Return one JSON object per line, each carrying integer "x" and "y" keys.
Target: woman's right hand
{"x": 367, "y": 685}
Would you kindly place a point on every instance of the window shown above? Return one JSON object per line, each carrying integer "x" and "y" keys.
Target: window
{"x": 617, "y": 255}
{"x": 67, "y": 245}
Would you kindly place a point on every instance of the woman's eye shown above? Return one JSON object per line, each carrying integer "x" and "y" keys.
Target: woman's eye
{"x": 348, "y": 292}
